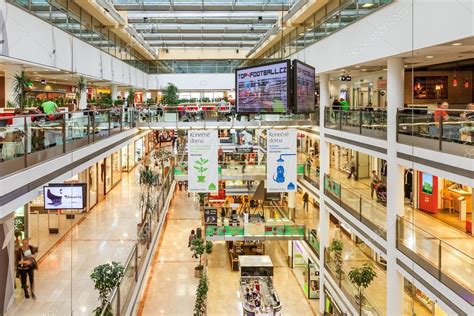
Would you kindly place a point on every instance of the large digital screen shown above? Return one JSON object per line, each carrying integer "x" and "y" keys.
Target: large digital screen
{"x": 263, "y": 88}
{"x": 303, "y": 87}
{"x": 64, "y": 197}
{"x": 427, "y": 186}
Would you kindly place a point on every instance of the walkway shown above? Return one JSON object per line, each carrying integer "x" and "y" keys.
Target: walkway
{"x": 63, "y": 286}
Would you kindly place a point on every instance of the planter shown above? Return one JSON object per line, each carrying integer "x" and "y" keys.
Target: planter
{"x": 198, "y": 272}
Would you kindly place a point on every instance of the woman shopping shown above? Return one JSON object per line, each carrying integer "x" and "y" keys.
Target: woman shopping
{"x": 26, "y": 265}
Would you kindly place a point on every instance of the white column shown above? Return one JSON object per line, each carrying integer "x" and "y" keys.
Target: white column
{"x": 323, "y": 169}
{"x": 10, "y": 72}
{"x": 113, "y": 92}
{"x": 83, "y": 100}
{"x": 395, "y": 181}
{"x": 291, "y": 204}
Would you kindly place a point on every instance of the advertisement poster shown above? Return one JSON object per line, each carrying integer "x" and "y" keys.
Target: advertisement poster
{"x": 64, "y": 197}
{"x": 428, "y": 192}
{"x": 304, "y": 87}
{"x": 210, "y": 216}
{"x": 313, "y": 281}
{"x": 263, "y": 89}
{"x": 281, "y": 160}
{"x": 203, "y": 161}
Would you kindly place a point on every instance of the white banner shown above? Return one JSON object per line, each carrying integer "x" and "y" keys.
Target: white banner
{"x": 281, "y": 160}
{"x": 203, "y": 161}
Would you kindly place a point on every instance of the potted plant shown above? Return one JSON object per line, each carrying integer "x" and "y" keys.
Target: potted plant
{"x": 162, "y": 155}
{"x": 131, "y": 97}
{"x": 200, "y": 247}
{"x": 170, "y": 98}
{"x": 149, "y": 180}
{"x": 202, "y": 197}
{"x": 336, "y": 249}
{"x": 361, "y": 279}
{"x": 81, "y": 87}
{"x": 106, "y": 277}
{"x": 200, "y": 306}
{"x": 21, "y": 85}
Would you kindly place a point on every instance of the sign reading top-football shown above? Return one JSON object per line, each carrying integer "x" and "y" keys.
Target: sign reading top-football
{"x": 203, "y": 161}
{"x": 63, "y": 196}
{"x": 281, "y": 160}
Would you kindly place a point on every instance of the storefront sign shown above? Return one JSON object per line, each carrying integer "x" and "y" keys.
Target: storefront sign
{"x": 64, "y": 197}
{"x": 281, "y": 160}
{"x": 210, "y": 216}
{"x": 203, "y": 161}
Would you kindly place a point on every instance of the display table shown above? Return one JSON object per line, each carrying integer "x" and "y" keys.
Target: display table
{"x": 257, "y": 292}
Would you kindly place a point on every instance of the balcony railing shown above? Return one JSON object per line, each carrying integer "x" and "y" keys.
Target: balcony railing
{"x": 121, "y": 296}
{"x": 26, "y": 140}
{"x": 367, "y": 123}
{"x": 450, "y": 131}
{"x": 450, "y": 265}
{"x": 369, "y": 212}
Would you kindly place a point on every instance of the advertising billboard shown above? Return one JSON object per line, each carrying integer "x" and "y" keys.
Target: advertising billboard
{"x": 203, "y": 161}
{"x": 303, "y": 87}
{"x": 263, "y": 88}
{"x": 281, "y": 160}
{"x": 62, "y": 196}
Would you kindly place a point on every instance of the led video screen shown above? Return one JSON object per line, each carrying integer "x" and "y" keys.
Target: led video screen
{"x": 303, "y": 87}
{"x": 263, "y": 88}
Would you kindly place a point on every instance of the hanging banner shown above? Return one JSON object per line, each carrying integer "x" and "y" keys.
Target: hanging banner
{"x": 203, "y": 161}
{"x": 281, "y": 160}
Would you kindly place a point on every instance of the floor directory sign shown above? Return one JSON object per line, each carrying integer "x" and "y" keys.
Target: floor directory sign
{"x": 281, "y": 160}
{"x": 203, "y": 161}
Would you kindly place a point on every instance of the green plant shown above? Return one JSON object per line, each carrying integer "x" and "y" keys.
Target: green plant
{"x": 200, "y": 305}
{"x": 118, "y": 102}
{"x": 149, "y": 180}
{"x": 81, "y": 86}
{"x": 200, "y": 167}
{"x": 361, "y": 278}
{"x": 131, "y": 97}
{"x": 106, "y": 277}
{"x": 199, "y": 247}
{"x": 336, "y": 249}
{"x": 10, "y": 104}
{"x": 21, "y": 85}
{"x": 170, "y": 95}
{"x": 201, "y": 196}
{"x": 163, "y": 155}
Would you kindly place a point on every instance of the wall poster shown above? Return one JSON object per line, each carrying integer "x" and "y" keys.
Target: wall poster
{"x": 203, "y": 161}
{"x": 281, "y": 160}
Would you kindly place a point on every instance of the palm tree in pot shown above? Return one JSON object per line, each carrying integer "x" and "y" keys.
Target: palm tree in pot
{"x": 199, "y": 247}
{"x": 361, "y": 278}
{"x": 21, "y": 85}
{"x": 81, "y": 87}
{"x": 149, "y": 181}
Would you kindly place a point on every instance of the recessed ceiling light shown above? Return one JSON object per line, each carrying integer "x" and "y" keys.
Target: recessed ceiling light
{"x": 364, "y": 69}
{"x": 405, "y": 66}
{"x": 385, "y": 69}
{"x": 309, "y": 29}
{"x": 430, "y": 56}
{"x": 367, "y": 5}
{"x": 456, "y": 44}
{"x": 357, "y": 66}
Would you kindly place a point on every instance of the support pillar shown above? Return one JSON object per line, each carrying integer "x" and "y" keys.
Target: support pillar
{"x": 323, "y": 169}
{"x": 113, "y": 92}
{"x": 7, "y": 262}
{"x": 395, "y": 181}
{"x": 10, "y": 72}
{"x": 291, "y": 205}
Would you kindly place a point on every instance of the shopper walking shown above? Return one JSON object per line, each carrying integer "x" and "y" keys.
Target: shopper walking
{"x": 305, "y": 201}
{"x": 352, "y": 167}
{"x": 180, "y": 185}
{"x": 191, "y": 237}
{"x": 374, "y": 181}
{"x": 26, "y": 265}
{"x": 308, "y": 166}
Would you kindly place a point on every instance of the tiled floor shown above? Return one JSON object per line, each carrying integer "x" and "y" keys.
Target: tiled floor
{"x": 62, "y": 282}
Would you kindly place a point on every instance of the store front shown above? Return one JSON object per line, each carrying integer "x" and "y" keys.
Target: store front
{"x": 330, "y": 306}
{"x": 306, "y": 270}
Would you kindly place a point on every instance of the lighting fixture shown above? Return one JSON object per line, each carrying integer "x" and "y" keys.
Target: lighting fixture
{"x": 455, "y": 81}
{"x": 466, "y": 84}
{"x": 367, "y": 5}
{"x": 364, "y": 69}
{"x": 357, "y": 66}
{"x": 430, "y": 56}
{"x": 456, "y": 44}
{"x": 43, "y": 82}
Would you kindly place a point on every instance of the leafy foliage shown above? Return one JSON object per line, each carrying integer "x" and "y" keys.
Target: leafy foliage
{"x": 131, "y": 97}
{"x": 200, "y": 305}
{"x": 149, "y": 180}
{"x": 336, "y": 249}
{"x": 21, "y": 85}
{"x": 170, "y": 95}
{"x": 106, "y": 277}
{"x": 361, "y": 278}
{"x": 199, "y": 247}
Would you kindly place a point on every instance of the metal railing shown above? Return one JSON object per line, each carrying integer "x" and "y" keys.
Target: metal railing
{"x": 371, "y": 123}
{"x": 26, "y": 140}
{"x": 447, "y": 263}
{"x": 121, "y": 296}
{"x": 366, "y": 210}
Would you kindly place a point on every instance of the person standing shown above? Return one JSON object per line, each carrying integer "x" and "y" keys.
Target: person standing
{"x": 191, "y": 237}
{"x": 352, "y": 167}
{"x": 26, "y": 265}
{"x": 308, "y": 166}
{"x": 305, "y": 201}
{"x": 374, "y": 181}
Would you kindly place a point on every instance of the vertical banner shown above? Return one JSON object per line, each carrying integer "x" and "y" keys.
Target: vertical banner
{"x": 281, "y": 160}
{"x": 203, "y": 161}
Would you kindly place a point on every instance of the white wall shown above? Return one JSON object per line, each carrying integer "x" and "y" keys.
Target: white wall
{"x": 388, "y": 32}
{"x": 39, "y": 42}
{"x": 193, "y": 81}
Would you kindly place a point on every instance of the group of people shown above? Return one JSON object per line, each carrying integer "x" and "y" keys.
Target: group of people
{"x": 451, "y": 131}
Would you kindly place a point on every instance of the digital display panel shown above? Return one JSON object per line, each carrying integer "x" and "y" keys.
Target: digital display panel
{"x": 64, "y": 197}
{"x": 303, "y": 87}
{"x": 263, "y": 88}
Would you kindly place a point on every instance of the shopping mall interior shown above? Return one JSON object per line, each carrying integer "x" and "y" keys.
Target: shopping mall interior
{"x": 236, "y": 157}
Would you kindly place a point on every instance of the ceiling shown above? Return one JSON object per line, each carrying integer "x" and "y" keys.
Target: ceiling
{"x": 237, "y": 24}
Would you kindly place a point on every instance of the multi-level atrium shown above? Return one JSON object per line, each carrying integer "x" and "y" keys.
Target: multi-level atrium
{"x": 236, "y": 157}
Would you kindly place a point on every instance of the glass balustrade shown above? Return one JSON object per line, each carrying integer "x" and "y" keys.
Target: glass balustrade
{"x": 371, "y": 123}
